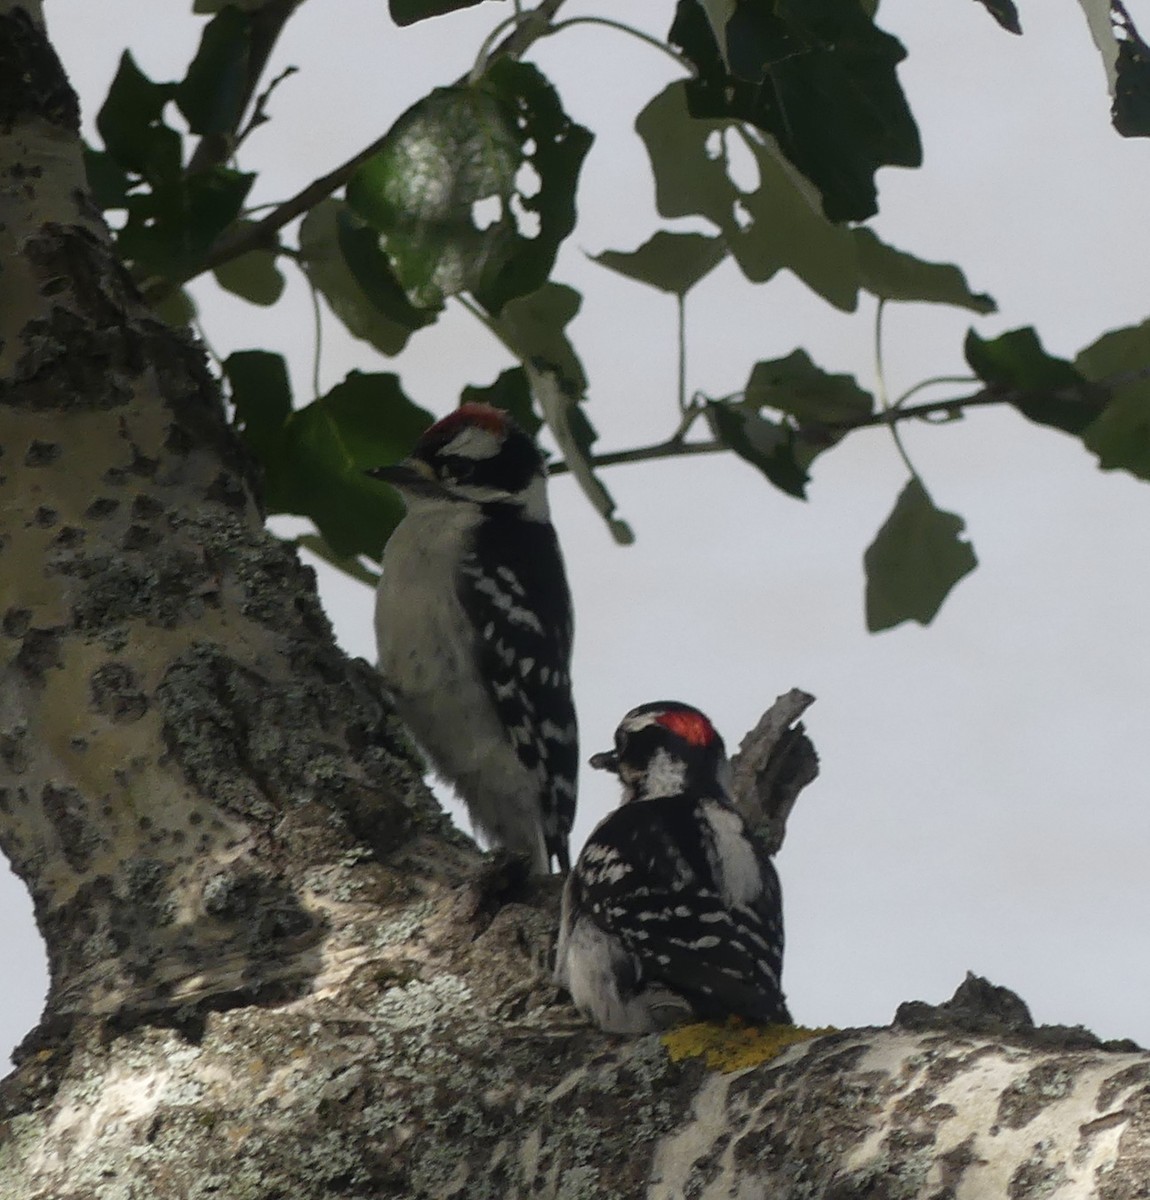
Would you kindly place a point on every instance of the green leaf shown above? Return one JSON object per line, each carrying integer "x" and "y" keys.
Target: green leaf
{"x": 916, "y": 558}
{"x": 261, "y": 395}
{"x": 131, "y": 124}
{"x": 1119, "y": 352}
{"x": 796, "y": 386}
{"x": 574, "y": 434}
{"x": 107, "y": 180}
{"x": 532, "y": 328}
{"x": 503, "y": 143}
{"x": 177, "y": 309}
{"x": 253, "y": 276}
{"x": 371, "y": 268}
{"x": 407, "y": 12}
{"x": 671, "y": 262}
{"x": 689, "y": 179}
{"x": 1005, "y": 13}
{"x": 819, "y": 77}
{"x": 314, "y": 458}
{"x": 171, "y": 228}
{"x": 214, "y": 92}
{"x": 374, "y": 310}
{"x": 511, "y": 392}
{"x": 893, "y": 274}
{"x": 1047, "y": 390}
{"x": 777, "y": 226}
{"x": 1131, "y": 108}
{"x": 376, "y": 420}
{"x": 349, "y": 564}
{"x": 1120, "y": 435}
{"x": 772, "y": 446}
{"x": 203, "y": 7}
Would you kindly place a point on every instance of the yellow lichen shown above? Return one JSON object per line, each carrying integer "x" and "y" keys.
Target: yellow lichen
{"x": 735, "y": 1045}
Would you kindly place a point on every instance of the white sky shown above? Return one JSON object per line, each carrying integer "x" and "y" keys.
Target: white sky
{"x": 982, "y": 803}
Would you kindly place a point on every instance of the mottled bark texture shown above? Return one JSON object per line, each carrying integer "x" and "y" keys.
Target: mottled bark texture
{"x": 274, "y": 971}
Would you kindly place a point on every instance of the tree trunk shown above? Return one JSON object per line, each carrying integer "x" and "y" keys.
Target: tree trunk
{"x": 275, "y": 970}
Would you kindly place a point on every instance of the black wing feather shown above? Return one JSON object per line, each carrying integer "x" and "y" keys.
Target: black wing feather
{"x": 514, "y": 590}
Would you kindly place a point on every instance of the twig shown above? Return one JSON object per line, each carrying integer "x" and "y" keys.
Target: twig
{"x": 267, "y": 24}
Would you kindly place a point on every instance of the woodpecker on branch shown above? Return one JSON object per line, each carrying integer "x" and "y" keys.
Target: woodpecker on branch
{"x": 671, "y": 913}
{"x": 474, "y": 627}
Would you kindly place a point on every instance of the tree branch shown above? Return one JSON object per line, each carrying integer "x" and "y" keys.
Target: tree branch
{"x": 674, "y": 447}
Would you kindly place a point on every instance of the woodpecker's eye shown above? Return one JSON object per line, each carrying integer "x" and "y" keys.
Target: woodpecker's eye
{"x": 458, "y": 470}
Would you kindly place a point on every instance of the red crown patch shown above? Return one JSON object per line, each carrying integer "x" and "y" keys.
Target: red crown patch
{"x": 689, "y": 725}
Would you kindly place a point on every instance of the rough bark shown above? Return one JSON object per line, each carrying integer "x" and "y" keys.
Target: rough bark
{"x": 274, "y": 969}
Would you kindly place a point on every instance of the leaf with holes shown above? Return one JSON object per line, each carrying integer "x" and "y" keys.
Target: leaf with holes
{"x": 690, "y": 171}
{"x": 795, "y": 385}
{"x": 503, "y": 144}
{"x": 915, "y": 560}
{"x": 171, "y": 228}
{"x": 777, "y": 226}
{"x": 817, "y": 75}
{"x": 671, "y": 262}
{"x": 772, "y": 446}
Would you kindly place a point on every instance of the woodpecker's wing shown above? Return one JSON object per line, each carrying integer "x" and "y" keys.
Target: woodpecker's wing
{"x": 514, "y": 590}
{"x": 656, "y": 875}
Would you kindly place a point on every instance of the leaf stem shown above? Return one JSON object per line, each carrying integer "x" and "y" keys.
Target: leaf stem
{"x": 671, "y": 448}
{"x": 682, "y": 322}
{"x": 932, "y": 382}
{"x": 318, "y": 335}
{"x": 623, "y": 27}
{"x": 888, "y": 411}
{"x": 516, "y": 19}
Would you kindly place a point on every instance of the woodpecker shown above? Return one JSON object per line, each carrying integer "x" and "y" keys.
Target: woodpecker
{"x": 474, "y": 626}
{"x": 671, "y": 913}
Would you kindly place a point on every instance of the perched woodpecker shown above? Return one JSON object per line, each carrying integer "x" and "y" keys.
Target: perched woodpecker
{"x": 671, "y": 913}
{"x": 473, "y": 622}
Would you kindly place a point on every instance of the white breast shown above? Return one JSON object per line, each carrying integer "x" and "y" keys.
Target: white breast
{"x": 426, "y": 657}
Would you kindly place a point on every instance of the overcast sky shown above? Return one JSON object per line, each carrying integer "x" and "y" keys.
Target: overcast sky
{"x": 982, "y": 803}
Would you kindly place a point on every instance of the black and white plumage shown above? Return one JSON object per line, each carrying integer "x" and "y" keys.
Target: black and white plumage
{"x": 671, "y": 912}
{"x": 474, "y": 626}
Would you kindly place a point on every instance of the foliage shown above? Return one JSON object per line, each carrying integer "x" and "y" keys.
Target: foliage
{"x": 472, "y": 191}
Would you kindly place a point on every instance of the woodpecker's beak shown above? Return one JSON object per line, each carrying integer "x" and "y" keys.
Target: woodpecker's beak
{"x": 410, "y": 475}
{"x": 606, "y": 760}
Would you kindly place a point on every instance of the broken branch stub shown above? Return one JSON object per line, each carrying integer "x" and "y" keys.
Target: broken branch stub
{"x": 776, "y": 760}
